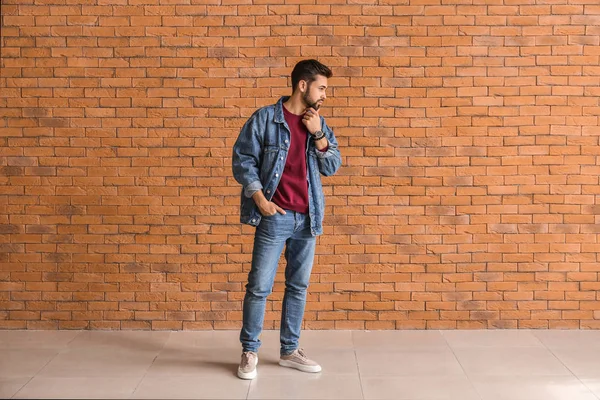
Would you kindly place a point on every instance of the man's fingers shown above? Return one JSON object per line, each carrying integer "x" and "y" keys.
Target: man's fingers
{"x": 270, "y": 211}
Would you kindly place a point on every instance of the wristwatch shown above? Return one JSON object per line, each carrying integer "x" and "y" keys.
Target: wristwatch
{"x": 318, "y": 135}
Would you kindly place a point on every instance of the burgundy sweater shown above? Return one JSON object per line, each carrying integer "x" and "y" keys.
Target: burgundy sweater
{"x": 292, "y": 191}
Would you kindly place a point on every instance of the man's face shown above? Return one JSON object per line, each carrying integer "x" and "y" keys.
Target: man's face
{"x": 314, "y": 93}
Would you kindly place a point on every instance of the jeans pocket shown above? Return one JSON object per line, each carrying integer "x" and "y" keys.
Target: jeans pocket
{"x": 274, "y": 225}
{"x": 267, "y": 220}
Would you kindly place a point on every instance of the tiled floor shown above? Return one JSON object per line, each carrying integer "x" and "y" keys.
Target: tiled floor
{"x": 415, "y": 365}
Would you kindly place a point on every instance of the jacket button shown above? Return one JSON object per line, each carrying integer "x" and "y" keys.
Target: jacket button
{"x": 276, "y": 175}
{"x": 253, "y": 219}
{"x": 268, "y": 191}
{"x": 286, "y": 141}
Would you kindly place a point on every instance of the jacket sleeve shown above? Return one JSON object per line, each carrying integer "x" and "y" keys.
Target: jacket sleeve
{"x": 246, "y": 156}
{"x": 330, "y": 160}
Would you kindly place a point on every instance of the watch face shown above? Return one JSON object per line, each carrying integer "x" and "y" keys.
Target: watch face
{"x": 318, "y": 135}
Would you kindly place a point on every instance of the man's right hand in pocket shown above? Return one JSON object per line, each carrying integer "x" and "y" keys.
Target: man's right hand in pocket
{"x": 267, "y": 208}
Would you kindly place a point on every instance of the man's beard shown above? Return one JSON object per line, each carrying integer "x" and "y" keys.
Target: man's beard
{"x": 308, "y": 102}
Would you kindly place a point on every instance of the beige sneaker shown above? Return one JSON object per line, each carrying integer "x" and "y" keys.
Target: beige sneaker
{"x": 247, "y": 368}
{"x": 299, "y": 361}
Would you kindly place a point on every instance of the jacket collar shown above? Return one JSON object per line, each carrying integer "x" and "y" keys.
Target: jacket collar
{"x": 278, "y": 117}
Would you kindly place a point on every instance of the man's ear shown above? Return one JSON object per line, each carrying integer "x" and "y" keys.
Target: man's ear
{"x": 302, "y": 86}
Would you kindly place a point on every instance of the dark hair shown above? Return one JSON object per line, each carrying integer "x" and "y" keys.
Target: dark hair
{"x": 307, "y": 70}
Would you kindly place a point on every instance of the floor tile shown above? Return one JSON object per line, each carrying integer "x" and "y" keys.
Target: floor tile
{"x": 142, "y": 341}
{"x": 399, "y": 340}
{"x": 24, "y": 362}
{"x": 491, "y": 338}
{"x": 581, "y": 361}
{"x": 418, "y": 388}
{"x": 531, "y": 388}
{"x": 78, "y": 388}
{"x": 195, "y": 361}
{"x": 204, "y": 339}
{"x": 509, "y": 361}
{"x": 10, "y": 386}
{"x": 36, "y": 339}
{"x": 407, "y": 363}
{"x": 192, "y": 387}
{"x": 306, "y": 386}
{"x": 569, "y": 338}
{"x": 98, "y": 362}
{"x": 593, "y": 384}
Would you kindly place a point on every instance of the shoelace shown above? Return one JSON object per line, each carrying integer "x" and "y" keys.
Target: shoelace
{"x": 248, "y": 356}
{"x": 302, "y": 354}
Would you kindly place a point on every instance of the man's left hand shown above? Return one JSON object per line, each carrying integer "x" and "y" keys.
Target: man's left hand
{"x": 311, "y": 120}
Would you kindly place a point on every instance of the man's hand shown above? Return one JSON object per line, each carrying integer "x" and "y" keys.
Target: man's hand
{"x": 267, "y": 208}
{"x": 311, "y": 120}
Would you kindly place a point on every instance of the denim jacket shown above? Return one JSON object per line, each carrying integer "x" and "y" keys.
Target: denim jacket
{"x": 259, "y": 156}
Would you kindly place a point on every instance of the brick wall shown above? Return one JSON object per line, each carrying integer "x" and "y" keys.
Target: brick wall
{"x": 468, "y": 198}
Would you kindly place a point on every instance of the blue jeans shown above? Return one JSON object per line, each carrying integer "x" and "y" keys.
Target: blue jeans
{"x": 293, "y": 231}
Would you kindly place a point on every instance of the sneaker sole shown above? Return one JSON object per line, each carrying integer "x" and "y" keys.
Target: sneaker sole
{"x": 300, "y": 367}
{"x": 246, "y": 375}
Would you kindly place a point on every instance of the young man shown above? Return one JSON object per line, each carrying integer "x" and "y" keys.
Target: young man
{"x": 278, "y": 158}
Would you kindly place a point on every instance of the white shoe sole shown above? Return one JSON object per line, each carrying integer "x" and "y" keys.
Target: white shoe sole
{"x": 300, "y": 367}
{"x": 246, "y": 375}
